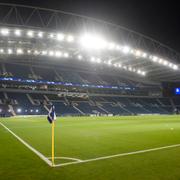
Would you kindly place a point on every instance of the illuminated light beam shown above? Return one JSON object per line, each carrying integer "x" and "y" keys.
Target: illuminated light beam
{"x": 17, "y": 32}
{"x": 94, "y": 42}
{"x": 79, "y": 57}
{"x": 1, "y": 51}
{"x": 138, "y": 53}
{"x": 10, "y": 51}
{"x": 66, "y": 55}
{"x": 70, "y": 38}
{"x": 144, "y": 55}
{"x": 44, "y": 53}
{"x": 30, "y": 33}
{"x": 4, "y": 31}
{"x": 175, "y": 67}
{"x": 19, "y": 51}
{"x": 58, "y": 53}
{"x": 40, "y": 34}
{"x": 111, "y": 46}
{"x": 60, "y": 36}
{"x": 126, "y": 49}
{"x": 51, "y": 53}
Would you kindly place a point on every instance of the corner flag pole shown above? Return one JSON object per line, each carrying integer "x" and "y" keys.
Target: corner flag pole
{"x": 51, "y": 118}
{"x": 53, "y": 125}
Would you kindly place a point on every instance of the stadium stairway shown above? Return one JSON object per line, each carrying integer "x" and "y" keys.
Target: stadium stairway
{"x": 10, "y": 107}
{"x": 58, "y": 76}
{"x": 75, "y": 107}
{"x": 158, "y": 100}
{"x": 30, "y": 99}
{"x": 103, "y": 109}
{"x": 45, "y": 107}
{"x": 124, "y": 108}
{"x": 172, "y": 103}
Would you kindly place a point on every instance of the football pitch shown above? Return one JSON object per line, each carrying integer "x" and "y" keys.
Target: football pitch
{"x": 86, "y": 148}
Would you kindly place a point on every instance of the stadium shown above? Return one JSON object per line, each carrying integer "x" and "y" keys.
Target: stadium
{"x": 115, "y": 93}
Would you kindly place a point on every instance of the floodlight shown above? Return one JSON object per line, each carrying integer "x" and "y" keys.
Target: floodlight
{"x": 109, "y": 62}
{"x": 139, "y": 71}
{"x": 36, "y": 52}
{"x": 150, "y": 57}
{"x": 28, "y": 51}
{"x": 160, "y": 61}
{"x": 40, "y": 34}
{"x": 58, "y": 53}
{"x": 79, "y": 57}
{"x": 126, "y": 49}
{"x": 154, "y": 58}
{"x": 0, "y": 110}
{"x": 51, "y": 35}
{"x": 132, "y": 51}
{"x": 119, "y": 65}
{"x": 17, "y": 32}
{"x": 111, "y": 46}
{"x": 37, "y": 110}
{"x": 98, "y": 60}
{"x": 4, "y": 31}
{"x": 30, "y": 33}
{"x": 44, "y": 52}
{"x": 134, "y": 70}
{"x": 124, "y": 67}
{"x": 92, "y": 59}
{"x": 60, "y": 36}
{"x": 118, "y": 47}
{"x": 66, "y": 55}
{"x": 51, "y": 53}
{"x": 70, "y": 38}
{"x": 144, "y": 55}
{"x": 31, "y": 110}
{"x": 165, "y": 62}
{"x": 19, "y": 110}
{"x": 10, "y": 51}
{"x": 138, "y": 53}
{"x": 1, "y": 50}
{"x": 19, "y": 51}
{"x": 170, "y": 65}
{"x": 95, "y": 42}
{"x": 175, "y": 67}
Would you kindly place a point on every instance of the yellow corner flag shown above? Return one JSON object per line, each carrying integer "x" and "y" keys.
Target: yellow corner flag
{"x": 53, "y": 126}
{"x": 51, "y": 118}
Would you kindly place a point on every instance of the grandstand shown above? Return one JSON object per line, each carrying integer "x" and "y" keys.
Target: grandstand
{"x": 81, "y": 93}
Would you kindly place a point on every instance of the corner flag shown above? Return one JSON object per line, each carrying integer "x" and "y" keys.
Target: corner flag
{"x": 51, "y": 115}
{"x": 51, "y": 118}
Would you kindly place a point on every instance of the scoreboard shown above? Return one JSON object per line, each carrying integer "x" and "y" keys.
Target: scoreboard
{"x": 177, "y": 91}
{"x": 171, "y": 89}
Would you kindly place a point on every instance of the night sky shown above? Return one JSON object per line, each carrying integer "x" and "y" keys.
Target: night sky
{"x": 157, "y": 19}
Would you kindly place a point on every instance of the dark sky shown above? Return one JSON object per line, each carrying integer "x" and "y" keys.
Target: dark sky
{"x": 157, "y": 19}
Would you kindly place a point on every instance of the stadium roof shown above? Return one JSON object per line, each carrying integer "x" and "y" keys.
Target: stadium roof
{"x": 35, "y": 33}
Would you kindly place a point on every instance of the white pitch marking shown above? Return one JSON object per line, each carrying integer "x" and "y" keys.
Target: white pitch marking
{"x": 68, "y": 158}
{"x": 87, "y": 160}
{"x": 28, "y": 146}
{"x": 119, "y": 155}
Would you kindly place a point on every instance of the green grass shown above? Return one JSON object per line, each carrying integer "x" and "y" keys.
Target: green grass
{"x": 92, "y": 137}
